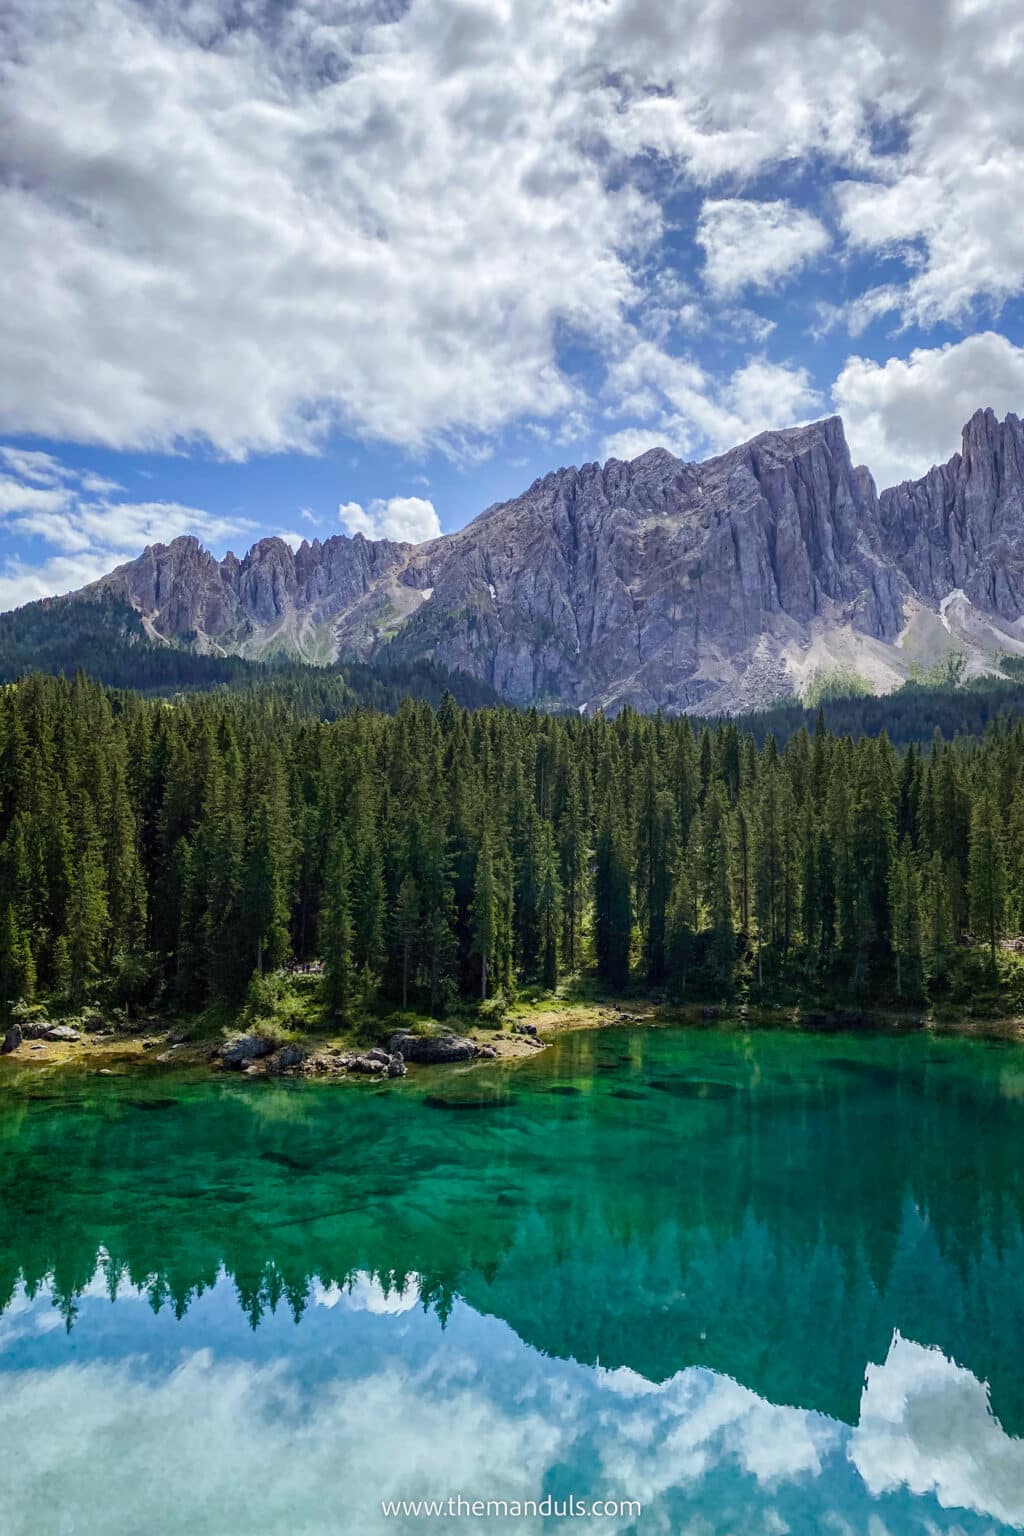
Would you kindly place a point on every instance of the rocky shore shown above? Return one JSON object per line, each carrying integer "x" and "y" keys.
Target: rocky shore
{"x": 92, "y": 1042}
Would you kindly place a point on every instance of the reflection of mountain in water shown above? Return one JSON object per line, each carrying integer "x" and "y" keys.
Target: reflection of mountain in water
{"x": 373, "y": 1384}
{"x": 772, "y": 1210}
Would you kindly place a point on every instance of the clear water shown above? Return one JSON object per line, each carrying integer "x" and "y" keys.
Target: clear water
{"x": 757, "y": 1282}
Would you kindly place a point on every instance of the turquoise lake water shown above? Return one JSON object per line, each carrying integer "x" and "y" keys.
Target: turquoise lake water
{"x": 760, "y": 1282}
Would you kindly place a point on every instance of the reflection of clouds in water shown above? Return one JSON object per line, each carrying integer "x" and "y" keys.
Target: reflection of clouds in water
{"x": 367, "y": 1294}
{"x": 214, "y": 1446}
{"x": 927, "y": 1424}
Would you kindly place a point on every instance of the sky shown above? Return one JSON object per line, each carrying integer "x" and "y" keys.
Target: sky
{"x": 309, "y": 267}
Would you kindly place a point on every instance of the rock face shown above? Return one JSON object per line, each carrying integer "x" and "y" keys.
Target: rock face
{"x": 655, "y": 583}
{"x": 962, "y": 526}
{"x": 432, "y": 1048}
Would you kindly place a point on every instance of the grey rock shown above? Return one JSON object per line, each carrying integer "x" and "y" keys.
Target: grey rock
{"x": 11, "y": 1040}
{"x": 524, "y": 1029}
{"x": 287, "y": 1059}
{"x": 655, "y": 583}
{"x": 397, "y": 1067}
{"x": 962, "y": 524}
{"x": 62, "y": 1033}
{"x": 366, "y": 1064}
{"x": 245, "y": 1048}
{"x": 432, "y": 1048}
{"x": 376, "y": 1054}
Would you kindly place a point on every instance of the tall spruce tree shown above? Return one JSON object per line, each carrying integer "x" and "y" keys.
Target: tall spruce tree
{"x": 336, "y": 932}
{"x": 987, "y": 873}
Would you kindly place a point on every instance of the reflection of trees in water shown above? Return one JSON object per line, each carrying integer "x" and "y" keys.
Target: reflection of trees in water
{"x": 777, "y": 1236}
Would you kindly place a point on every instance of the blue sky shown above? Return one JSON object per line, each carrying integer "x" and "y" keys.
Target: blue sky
{"x": 334, "y": 265}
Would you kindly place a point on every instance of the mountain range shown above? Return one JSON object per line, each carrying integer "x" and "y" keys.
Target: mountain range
{"x": 768, "y": 570}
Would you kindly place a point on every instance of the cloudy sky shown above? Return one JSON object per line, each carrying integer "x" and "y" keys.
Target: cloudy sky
{"x": 314, "y": 266}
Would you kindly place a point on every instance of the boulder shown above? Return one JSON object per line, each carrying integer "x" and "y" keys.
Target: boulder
{"x": 524, "y": 1029}
{"x": 12, "y": 1040}
{"x": 43, "y": 1029}
{"x": 432, "y": 1048}
{"x": 376, "y": 1054}
{"x": 35, "y": 1029}
{"x": 396, "y": 1066}
{"x": 369, "y": 1064}
{"x": 245, "y": 1048}
{"x": 486, "y": 1050}
{"x": 286, "y": 1059}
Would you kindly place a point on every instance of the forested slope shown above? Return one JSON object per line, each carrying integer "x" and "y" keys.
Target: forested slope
{"x": 154, "y": 852}
{"x": 105, "y": 637}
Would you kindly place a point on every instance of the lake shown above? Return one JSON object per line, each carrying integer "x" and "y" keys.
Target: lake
{"x": 756, "y": 1282}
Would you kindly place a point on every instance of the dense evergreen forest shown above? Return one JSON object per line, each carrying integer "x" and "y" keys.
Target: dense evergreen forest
{"x": 156, "y": 854}
{"x": 912, "y": 714}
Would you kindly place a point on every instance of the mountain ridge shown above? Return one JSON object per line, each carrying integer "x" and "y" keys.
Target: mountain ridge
{"x": 657, "y": 582}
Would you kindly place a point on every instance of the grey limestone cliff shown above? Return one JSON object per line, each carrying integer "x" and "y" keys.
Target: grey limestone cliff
{"x": 657, "y": 583}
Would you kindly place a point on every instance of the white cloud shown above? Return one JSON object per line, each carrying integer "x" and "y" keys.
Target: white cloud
{"x": 325, "y": 1465}
{"x": 21, "y": 582}
{"x": 751, "y": 244}
{"x": 858, "y": 313}
{"x": 99, "y": 485}
{"x": 688, "y": 411}
{"x": 86, "y": 532}
{"x": 906, "y": 414}
{"x": 16, "y": 496}
{"x": 913, "y": 108}
{"x": 405, "y": 519}
{"x": 292, "y": 539}
{"x": 39, "y": 468}
{"x": 228, "y": 230}
{"x": 246, "y": 224}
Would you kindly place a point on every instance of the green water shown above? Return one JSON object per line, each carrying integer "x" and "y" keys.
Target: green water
{"x": 758, "y": 1282}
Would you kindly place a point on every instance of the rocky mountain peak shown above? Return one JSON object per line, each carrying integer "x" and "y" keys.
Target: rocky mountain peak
{"x": 657, "y": 582}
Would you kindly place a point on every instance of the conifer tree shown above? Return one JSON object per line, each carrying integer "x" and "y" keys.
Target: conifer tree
{"x": 938, "y": 919}
{"x": 549, "y": 909}
{"x": 655, "y": 837}
{"x": 613, "y": 912}
{"x": 715, "y": 844}
{"x": 336, "y": 932}
{"x": 572, "y": 858}
{"x": 987, "y": 873}
{"x": 87, "y": 921}
{"x": 680, "y": 929}
{"x": 905, "y": 904}
{"x": 406, "y": 928}
{"x": 485, "y": 912}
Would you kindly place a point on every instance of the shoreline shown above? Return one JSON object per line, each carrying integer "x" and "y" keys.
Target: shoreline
{"x": 160, "y": 1044}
